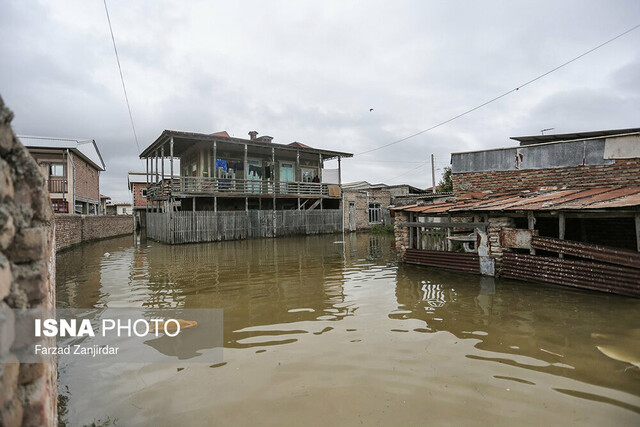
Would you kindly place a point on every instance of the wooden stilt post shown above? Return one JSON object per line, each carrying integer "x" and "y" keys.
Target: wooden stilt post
{"x": 273, "y": 188}
{"x": 215, "y": 173}
{"x": 162, "y": 180}
{"x": 171, "y": 172}
{"x": 157, "y": 181}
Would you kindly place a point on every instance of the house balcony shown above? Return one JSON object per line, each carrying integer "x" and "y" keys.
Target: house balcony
{"x": 232, "y": 187}
{"x": 57, "y": 186}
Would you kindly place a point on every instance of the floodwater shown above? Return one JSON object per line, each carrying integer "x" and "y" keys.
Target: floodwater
{"x": 321, "y": 333}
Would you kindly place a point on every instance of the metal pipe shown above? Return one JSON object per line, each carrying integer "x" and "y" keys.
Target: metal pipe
{"x": 73, "y": 166}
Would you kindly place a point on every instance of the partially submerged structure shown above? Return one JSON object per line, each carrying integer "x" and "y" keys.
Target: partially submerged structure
{"x": 562, "y": 209}
{"x": 232, "y": 188}
{"x": 366, "y": 205}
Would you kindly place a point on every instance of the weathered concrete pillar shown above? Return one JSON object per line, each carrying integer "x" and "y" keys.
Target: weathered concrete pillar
{"x": 493, "y": 233}
{"x": 28, "y": 391}
{"x": 402, "y": 235}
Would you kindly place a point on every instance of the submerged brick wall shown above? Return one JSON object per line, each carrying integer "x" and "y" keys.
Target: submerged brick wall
{"x": 27, "y": 280}
{"x": 622, "y": 172}
{"x": 72, "y": 229}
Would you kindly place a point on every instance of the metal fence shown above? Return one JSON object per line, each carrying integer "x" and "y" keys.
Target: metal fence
{"x": 207, "y": 226}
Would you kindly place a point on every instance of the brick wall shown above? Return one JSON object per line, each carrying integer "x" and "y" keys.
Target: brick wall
{"x": 139, "y": 200}
{"x": 87, "y": 179}
{"x": 622, "y": 172}
{"x": 73, "y": 229}
{"x": 28, "y": 391}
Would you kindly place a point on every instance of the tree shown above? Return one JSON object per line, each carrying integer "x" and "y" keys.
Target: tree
{"x": 446, "y": 183}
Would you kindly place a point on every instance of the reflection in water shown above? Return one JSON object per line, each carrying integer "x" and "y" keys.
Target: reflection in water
{"x": 312, "y": 325}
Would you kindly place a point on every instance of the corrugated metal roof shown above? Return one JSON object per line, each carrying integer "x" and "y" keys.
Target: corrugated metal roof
{"x": 537, "y": 139}
{"x": 542, "y": 200}
{"x": 86, "y": 148}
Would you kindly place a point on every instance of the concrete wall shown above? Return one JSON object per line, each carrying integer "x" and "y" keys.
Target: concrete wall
{"x": 73, "y": 229}
{"x": 27, "y": 279}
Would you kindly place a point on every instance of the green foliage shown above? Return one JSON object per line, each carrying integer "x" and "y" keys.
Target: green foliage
{"x": 382, "y": 229}
{"x": 446, "y": 183}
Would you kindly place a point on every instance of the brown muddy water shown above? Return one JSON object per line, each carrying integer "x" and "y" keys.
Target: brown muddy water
{"x": 318, "y": 334}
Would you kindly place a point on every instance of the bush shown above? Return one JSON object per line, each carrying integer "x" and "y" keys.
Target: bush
{"x": 382, "y": 229}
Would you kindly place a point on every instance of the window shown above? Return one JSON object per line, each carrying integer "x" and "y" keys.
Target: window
{"x": 143, "y": 192}
{"x": 375, "y": 213}
{"x": 308, "y": 174}
{"x": 56, "y": 170}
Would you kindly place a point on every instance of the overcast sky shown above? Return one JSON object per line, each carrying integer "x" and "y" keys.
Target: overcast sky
{"x": 311, "y": 72}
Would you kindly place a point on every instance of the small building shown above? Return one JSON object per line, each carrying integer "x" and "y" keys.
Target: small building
{"x": 367, "y": 205}
{"x": 562, "y": 209}
{"x": 233, "y": 188}
{"x": 119, "y": 208}
{"x": 71, "y": 168}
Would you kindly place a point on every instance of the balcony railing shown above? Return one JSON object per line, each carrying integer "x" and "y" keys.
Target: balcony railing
{"x": 232, "y": 186}
{"x": 57, "y": 186}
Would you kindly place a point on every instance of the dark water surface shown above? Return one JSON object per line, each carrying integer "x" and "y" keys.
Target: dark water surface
{"x": 319, "y": 334}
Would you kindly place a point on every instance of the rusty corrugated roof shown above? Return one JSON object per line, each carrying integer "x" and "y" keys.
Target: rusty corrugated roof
{"x": 541, "y": 200}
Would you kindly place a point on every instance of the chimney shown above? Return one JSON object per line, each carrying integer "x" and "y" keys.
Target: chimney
{"x": 265, "y": 138}
{"x": 253, "y": 135}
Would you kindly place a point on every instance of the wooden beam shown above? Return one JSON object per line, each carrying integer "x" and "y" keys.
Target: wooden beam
{"x": 215, "y": 159}
{"x": 246, "y": 163}
{"x": 171, "y": 161}
{"x": 447, "y": 224}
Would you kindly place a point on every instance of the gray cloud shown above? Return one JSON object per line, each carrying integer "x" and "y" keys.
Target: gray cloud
{"x": 310, "y": 71}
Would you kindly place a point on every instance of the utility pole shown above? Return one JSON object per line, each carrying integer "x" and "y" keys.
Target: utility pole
{"x": 433, "y": 174}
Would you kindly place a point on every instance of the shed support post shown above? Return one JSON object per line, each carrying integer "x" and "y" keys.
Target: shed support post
{"x": 449, "y": 244}
{"x": 320, "y": 167}
{"x": 561, "y": 229}
{"x": 532, "y": 225}
{"x": 297, "y": 175}
{"x": 193, "y": 204}
{"x": 638, "y": 231}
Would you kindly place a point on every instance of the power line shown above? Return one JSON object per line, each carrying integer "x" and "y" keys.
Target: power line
{"x": 124, "y": 88}
{"x": 503, "y": 95}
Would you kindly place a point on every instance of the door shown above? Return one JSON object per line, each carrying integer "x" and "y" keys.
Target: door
{"x": 254, "y": 176}
{"x": 352, "y": 216}
{"x": 286, "y": 175}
